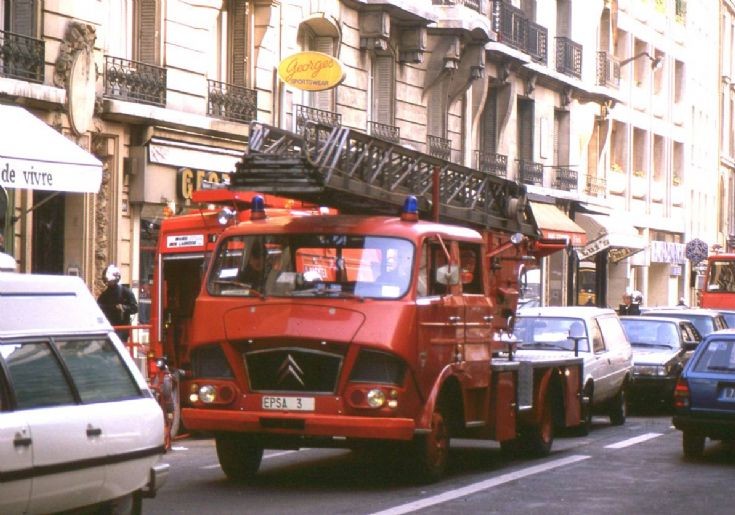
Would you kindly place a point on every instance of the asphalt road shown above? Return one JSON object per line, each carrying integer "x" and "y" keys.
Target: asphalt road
{"x": 629, "y": 469}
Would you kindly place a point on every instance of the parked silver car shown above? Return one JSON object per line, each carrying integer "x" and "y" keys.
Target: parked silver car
{"x": 600, "y": 340}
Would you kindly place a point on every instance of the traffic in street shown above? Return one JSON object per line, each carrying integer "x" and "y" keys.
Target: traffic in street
{"x": 634, "y": 468}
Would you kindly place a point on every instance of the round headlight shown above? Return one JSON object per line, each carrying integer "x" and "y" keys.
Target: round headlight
{"x": 207, "y": 393}
{"x": 375, "y": 398}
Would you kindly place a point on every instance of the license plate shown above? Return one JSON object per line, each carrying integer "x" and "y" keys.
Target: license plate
{"x": 728, "y": 393}
{"x": 271, "y": 402}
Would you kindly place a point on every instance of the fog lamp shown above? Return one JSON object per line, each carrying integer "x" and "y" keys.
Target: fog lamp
{"x": 376, "y": 398}
{"x": 207, "y": 393}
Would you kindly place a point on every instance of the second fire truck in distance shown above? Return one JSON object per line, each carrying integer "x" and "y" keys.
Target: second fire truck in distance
{"x": 369, "y": 328}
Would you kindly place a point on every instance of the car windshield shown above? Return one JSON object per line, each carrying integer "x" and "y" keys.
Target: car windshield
{"x": 729, "y": 317}
{"x": 705, "y": 324}
{"x": 651, "y": 333}
{"x": 312, "y": 265}
{"x": 717, "y": 356}
{"x": 550, "y": 333}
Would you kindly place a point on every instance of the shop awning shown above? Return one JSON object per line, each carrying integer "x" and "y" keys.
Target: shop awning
{"x": 609, "y": 232}
{"x": 554, "y": 224}
{"x": 34, "y": 156}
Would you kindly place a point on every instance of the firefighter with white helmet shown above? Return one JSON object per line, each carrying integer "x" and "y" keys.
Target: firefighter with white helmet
{"x": 117, "y": 301}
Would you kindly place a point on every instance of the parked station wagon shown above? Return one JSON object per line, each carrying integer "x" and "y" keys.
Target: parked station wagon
{"x": 78, "y": 425}
{"x": 600, "y": 341}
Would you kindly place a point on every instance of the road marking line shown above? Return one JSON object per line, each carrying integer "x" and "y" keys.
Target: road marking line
{"x": 265, "y": 457}
{"x": 633, "y": 441}
{"x": 482, "y": 485}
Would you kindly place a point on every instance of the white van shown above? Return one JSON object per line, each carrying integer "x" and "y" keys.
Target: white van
{"x": 78, "y": 425}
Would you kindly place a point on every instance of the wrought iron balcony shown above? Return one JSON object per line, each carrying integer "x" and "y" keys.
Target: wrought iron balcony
{"x": 318, "y": 118}
{"x": 595, "y": 186}
{"x": 231, "y": 102}
{"x": 608, "y": 70}
{"x": 472, "y": 4}
{"x": 385, "y": 132}
{"x": 439, "y": 147}
{"x": 568, "y": 57}
{"x": 531, "y": 173}
{"x": 490, "y": 162}
{"x": 21, "y": 57}
{"x": 565, "y": 179}
{"x": 135, "y": 81}
{"x": 510, "y": 24}
{"x": 538, "y": 42}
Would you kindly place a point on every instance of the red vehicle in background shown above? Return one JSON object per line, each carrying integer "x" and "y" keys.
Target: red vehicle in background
{"x": 718, "y": 290}
{"x": 366, "y": 328}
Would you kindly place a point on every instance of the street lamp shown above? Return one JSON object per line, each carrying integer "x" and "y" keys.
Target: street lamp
{"x": 656, "y": 62}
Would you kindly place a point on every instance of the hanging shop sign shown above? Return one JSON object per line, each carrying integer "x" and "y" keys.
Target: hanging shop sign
{"x": 311, "y": 71}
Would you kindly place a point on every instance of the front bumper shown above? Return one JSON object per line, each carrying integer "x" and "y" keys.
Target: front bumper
{"x": 157, "y": 477}
{"x": 651, "y": 388}
{"x": 298, "y": 424}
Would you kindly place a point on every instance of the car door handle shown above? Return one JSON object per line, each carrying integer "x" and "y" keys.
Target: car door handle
{"x": 22, "y": 441}
{"x": 93, "y": 431}
{"x": 488, "y": 318}
{"x": 455, "y": 319}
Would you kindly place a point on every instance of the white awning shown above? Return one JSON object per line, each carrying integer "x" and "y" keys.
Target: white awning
{"x": 34, "y": 156}
{"x": 609, "y": 232}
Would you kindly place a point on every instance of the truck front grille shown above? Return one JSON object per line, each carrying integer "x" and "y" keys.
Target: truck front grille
{"x": 293, "y": 370}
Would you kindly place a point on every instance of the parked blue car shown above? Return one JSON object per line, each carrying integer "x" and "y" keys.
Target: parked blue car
{"x": 704, "y": 398}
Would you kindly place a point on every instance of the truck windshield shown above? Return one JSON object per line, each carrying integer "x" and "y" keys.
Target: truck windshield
{"x": 312, "y": 265}
{"x": 721, "y": 277}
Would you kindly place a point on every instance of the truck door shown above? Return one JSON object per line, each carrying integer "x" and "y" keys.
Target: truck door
{"x": 440, "y": 312}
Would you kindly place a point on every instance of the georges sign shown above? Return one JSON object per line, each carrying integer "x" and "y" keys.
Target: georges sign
{"x": 311, "y": 71}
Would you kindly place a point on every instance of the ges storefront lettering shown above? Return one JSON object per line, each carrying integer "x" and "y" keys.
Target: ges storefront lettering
{"x": 190, "y": 180}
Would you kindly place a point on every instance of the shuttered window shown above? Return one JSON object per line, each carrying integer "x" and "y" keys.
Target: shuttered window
{"x": 22, "y": 17}
{"x": 525, "y": 130}
{"x": 382, "y": 87}
{"x": 148, "y": 31}
{"x": 322, "y": 99}
{"x": 437, "y": 111}
{"x": 238, "y": 42}
{"x": 490, "y": 123}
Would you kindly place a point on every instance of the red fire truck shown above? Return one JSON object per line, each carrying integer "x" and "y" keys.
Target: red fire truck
{"x": 718, "y": 288}
{"x": 367, "y": 327}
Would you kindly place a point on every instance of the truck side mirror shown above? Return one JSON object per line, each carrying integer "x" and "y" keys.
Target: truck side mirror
{"x": 447, "y": 275}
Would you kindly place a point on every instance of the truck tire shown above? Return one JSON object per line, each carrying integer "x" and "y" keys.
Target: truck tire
{"x": 238, "y": 456}
{"x": 431, "y": 451}
{"x": 618, "y": 408}
{"x": 537, "y": 441}
{"x": 693, "y": 444}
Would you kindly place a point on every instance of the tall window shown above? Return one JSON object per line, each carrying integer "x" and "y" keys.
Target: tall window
{"x": 525, "y": 129}
{"x": 321, "y": 99}
{"x": 489, "y": 123}
{"x": 148, "y": 31}
{"x": 19, "y": 16}
{"x": 382, "y": 86}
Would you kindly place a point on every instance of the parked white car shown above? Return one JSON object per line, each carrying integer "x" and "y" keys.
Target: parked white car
{"x": 78, "y": 425}
{"x": 545, "y": 332}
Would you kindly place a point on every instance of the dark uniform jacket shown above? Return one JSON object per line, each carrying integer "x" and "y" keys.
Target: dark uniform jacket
{"x": 108, "y": 302}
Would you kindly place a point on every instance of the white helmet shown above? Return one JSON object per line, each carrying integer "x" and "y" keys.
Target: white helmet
{"x": 111, "y": 273}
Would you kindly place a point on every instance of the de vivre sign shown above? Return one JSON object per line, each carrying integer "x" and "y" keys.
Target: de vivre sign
{"x": 311, "y": 71}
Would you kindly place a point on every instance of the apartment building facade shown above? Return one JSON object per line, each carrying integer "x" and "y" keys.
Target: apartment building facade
{"x": 542, "y": 92}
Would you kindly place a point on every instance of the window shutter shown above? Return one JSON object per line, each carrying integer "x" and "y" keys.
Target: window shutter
{"x": 239, "y": 42}
{"x": 437, "y": 111}
{"x": 489, "y": 122}
{"x": 148, "y": 32}
{"x": 383, "y": 89}
{"x": 525, "y": 130}
{"x": 323, "y": 99}
{"x": 22, "y": 17}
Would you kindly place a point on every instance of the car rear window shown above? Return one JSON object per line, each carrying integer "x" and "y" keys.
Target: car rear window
{"x": 717, "y": 356}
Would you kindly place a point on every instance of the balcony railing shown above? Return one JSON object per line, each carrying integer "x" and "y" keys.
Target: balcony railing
{"x": 531, "y": 173}
{"x": 231, "y": 102}
{"x": 595, "y": 186}
{"x": 385, "y": 132}
{"x": 496, "y": 164}
{"x": 565, "y": 179}
{"x": 472, "y": 4}
{"x": 538, "y": 42}
{"x": 135, "y": 81}
{"x": 439, "y": 147}
{"x": 608, "y": 70}
{"x": 21, "y": 57}
{"x": 568, "y": 57}
{"x": 318, "y": 118}
{"x": 510, "y": 24}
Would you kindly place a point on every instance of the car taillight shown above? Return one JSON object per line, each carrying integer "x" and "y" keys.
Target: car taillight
{"x": 681, "y": 394}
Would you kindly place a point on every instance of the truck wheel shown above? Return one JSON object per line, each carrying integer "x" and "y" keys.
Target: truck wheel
{"x": 238, "y": 457}
{"x": 537, "y": 440}
{"x": 693, "y": 444}
{"x": 431, "y": 451}
{"x": 619, "y": 408}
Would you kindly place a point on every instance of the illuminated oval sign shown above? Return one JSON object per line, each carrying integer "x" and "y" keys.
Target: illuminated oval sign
{"x": 311, "y": 71}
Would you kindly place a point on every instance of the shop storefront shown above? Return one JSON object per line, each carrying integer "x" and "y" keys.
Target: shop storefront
{"x": 45, "y": 186}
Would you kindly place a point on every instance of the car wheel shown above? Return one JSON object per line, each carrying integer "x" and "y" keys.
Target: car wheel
{"x": 537, "y": 440}
{"x": 619, "y": 408}
{"x": 693, "y": 444}
{"x": 239, "y": 457}
{"x": 586, "y": 406}
{"x": 431, "y": 451}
